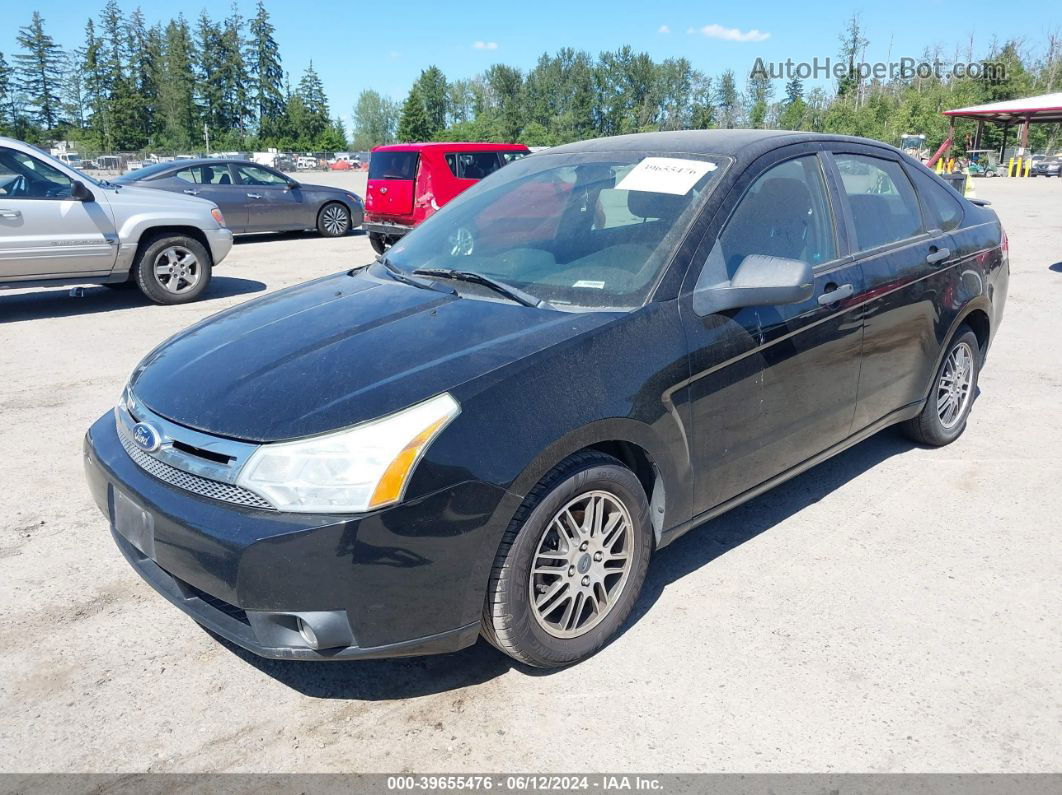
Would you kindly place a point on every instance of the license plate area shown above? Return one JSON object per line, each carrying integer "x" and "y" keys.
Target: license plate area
{"x": 134, "y": 524}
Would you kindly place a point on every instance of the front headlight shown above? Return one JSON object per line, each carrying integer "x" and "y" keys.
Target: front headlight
{"x": 352, "y": 471}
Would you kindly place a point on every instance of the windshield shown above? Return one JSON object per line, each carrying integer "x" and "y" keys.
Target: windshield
{"x": 587, "y": 230}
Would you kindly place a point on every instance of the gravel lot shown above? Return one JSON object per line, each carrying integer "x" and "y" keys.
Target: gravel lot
{"x": 894, "y": 609}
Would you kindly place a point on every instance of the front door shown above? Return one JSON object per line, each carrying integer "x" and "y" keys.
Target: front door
{"x": 271, "y": 205}
{"x": 43, "y": 231}
{"x": 772, "y": 386}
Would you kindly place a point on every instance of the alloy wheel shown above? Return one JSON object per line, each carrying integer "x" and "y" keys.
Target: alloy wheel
{"x": 581, "y": 564}
{"x": 334, "y": 219}
{"x": 955, "y": 386}
{"x": 177, "y": 270}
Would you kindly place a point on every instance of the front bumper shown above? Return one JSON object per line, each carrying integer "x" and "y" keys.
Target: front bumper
{"x": 405, "y": 580}
{"x": 220, "y": 242}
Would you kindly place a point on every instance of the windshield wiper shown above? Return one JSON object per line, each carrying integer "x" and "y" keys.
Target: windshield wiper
{"x": 401, "y": 276}
{"x": 500, "y": 287}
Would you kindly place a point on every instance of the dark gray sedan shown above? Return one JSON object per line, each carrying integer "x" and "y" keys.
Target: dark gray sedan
{"x": 255, "y": 198}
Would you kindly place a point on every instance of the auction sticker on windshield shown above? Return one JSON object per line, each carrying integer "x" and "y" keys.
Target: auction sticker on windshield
{"x": 666, "y": 175}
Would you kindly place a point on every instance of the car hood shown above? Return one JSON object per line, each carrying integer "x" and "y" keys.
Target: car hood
{"x": 335, "y": 352}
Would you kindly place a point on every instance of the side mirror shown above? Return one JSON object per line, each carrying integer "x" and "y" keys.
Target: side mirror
{"x": 292, "y": 184}
{"x": 760, "y": 280}
{"x": 80, "y": 192}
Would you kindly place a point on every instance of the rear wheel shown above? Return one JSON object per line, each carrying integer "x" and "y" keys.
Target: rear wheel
{"x": 943, "y": 418}
{"x": 378, "y": 242}
{"x": 571, "y": 563}
{"x": 174, "y": 269}
{"x": 333, "y": 220}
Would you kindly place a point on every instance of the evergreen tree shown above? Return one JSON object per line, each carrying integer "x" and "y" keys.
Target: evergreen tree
{"x": 7, "y": 98}
{"x": 432, "y": 90}
{"x": 40, "y": 71}
{"x": 96, "y": 91}
{"x": 211, "y": 89}
{"x": 74, "y": 98}
{"x": 315, "y": 103}
{"x": 233, "y": 75}
{"x": 177, "y": 86}
{"x": 266, "y": 74}
{"x": 726, "y": 99}
{"x": 414, "y": 126}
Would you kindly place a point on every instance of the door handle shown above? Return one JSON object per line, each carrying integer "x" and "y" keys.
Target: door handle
{"x": 835, "y": 294}
{"x": 937, "y": 255}
{"x": 254, "y": 195}
{"x": 192, "y": 192}
{"x": 10, "y": 213}
{"x": 383, "y": 190}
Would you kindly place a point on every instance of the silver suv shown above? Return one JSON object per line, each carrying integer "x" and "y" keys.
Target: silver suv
{"x": 58, "y": 226}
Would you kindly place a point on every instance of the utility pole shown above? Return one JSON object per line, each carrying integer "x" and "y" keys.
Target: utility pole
{"x": 206, "y": 134}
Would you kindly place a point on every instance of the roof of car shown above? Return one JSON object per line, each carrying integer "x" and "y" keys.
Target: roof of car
{"x": 741, "y": 144}
{"x": 454, "y": 146}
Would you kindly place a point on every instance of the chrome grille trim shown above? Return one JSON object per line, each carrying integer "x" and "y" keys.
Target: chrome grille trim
{"x": 204, "y": 487}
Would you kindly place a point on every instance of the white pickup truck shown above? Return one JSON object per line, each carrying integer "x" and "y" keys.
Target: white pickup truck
{"x": 58, "y": 226}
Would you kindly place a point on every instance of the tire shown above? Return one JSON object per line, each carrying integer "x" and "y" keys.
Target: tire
{"x": 333, "y": 220}
{"x": 539, "y": 637}
{"x": 173, "y": 250}
{"x": 378, "y": 242}
{"x": 942, "y": 420}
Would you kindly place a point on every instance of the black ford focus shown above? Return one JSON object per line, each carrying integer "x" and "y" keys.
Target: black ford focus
{"x": 489, "y": 430}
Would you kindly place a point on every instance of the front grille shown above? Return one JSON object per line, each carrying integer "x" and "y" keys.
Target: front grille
{"x": 204, "y": 487}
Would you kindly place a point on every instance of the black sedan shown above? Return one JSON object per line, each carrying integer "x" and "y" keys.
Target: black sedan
{"x": 255, "y": 198}
{"x": 636, "y": 335}
{"x": 1047, "y": 167}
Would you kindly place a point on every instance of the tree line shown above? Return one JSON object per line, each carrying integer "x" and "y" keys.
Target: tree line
{"x": 133, "y": 87}
{"x": 572, "y": 95}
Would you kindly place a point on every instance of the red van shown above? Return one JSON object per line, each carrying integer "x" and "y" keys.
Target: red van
{"x": 409, "y": 182}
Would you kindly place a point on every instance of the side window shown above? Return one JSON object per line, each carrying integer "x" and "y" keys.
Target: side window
{"x": 945, "y": 210}
{"x": 884, "y": 206}
{"x": 472, "y": 165}
{"x": 191, "y": 175}
{"x": 784, "y": 213}
{"x": 255, "y": 175}
{"x": 25, "y": 177}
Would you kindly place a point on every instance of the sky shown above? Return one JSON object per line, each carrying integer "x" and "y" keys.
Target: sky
{"x": 384, "y": 46}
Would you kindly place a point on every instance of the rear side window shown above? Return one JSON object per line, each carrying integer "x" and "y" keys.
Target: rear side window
{"x": 944, "y": 209}
{"x": 393, "y": 165}
{"x": 205, "y": 175}
{"x": 472, "y": 165}
{"x": 884, "y": 207}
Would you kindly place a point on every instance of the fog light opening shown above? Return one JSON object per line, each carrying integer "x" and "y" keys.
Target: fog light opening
{"x": 307, "y": 633}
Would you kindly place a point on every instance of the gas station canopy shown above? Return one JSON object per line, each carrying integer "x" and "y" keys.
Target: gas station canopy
{"x": 1044, "y": 108}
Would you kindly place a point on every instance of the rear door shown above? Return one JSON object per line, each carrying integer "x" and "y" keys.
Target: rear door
{"x": 43, "y": 231}
{"x": 904, "y": 261}
{"x": 391, "y": 183}
{"x": 215, "y": 182}
{"x": 272, "y": 206}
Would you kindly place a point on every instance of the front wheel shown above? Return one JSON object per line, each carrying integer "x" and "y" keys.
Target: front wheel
{"x": 333, "y": 220}
{"x": 173, "y": 269}
{"x": 571, "y": 563}
{"x": 943, "y": 418}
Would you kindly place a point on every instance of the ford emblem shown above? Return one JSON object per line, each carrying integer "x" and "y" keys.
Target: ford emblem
{"x": 147, "y": 437}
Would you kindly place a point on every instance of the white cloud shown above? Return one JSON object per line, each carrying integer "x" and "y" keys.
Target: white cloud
{"x": 663, "y": 29}
{"x": 730, "y": 34}
{"x": 485, "y": 45}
